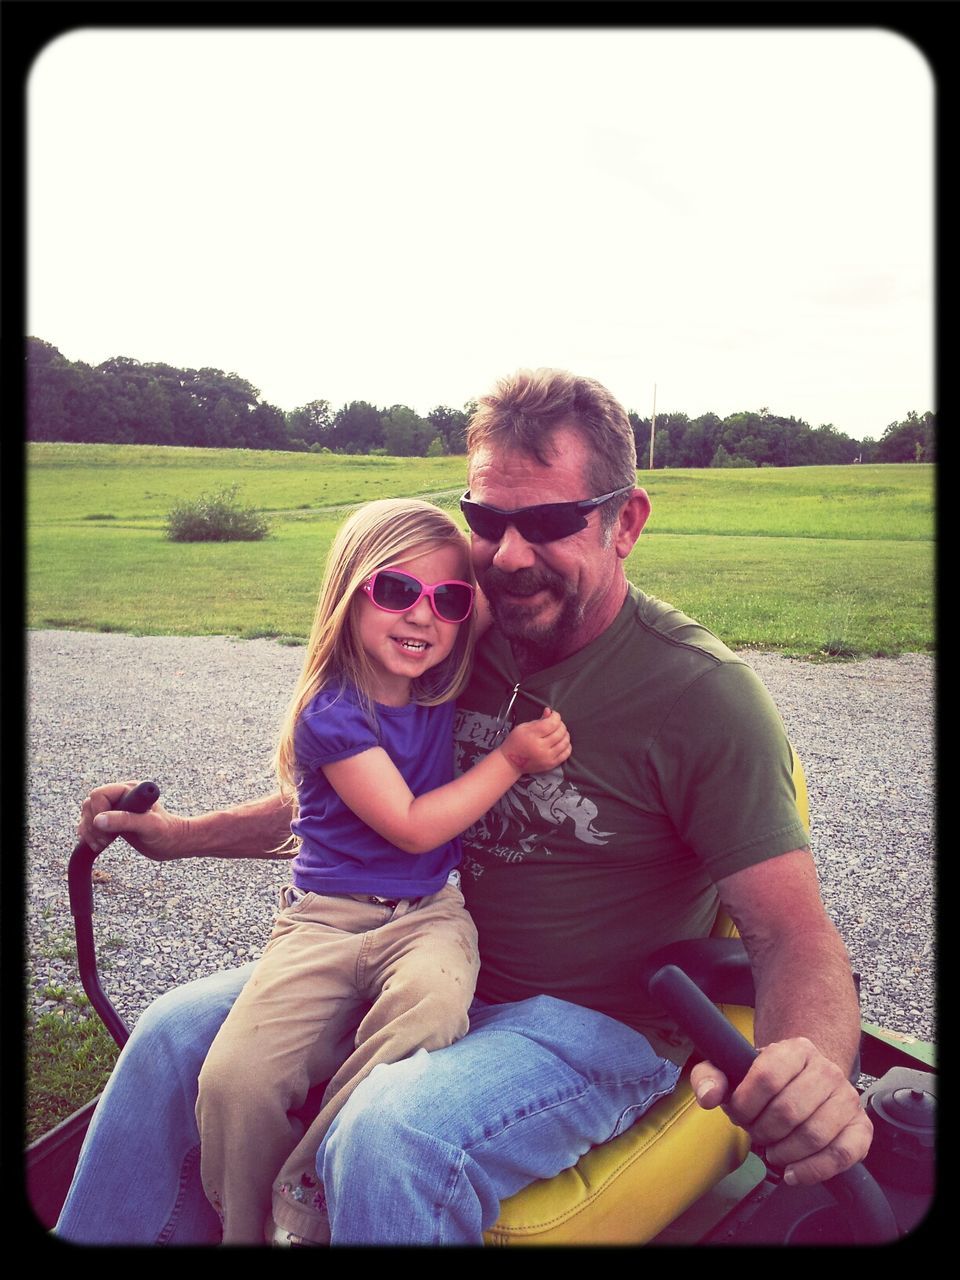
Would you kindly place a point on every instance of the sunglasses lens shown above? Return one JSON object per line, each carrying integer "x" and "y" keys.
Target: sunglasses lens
{"x": 453, "y": 601}
{"x": 484, "y": 523}
{"x": 550, "y": 523}
{"x": 395, "y": 591}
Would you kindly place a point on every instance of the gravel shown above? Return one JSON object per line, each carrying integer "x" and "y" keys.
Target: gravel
{"x": 199, "y": 716}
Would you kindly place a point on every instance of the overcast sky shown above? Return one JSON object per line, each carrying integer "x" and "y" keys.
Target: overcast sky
{"x": 743, "y": 218}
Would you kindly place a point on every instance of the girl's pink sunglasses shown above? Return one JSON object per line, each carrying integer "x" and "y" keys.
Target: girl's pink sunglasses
{"x": 396, "y": 591}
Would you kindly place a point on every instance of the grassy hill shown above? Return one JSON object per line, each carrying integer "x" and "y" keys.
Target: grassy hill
{"x": 803, "y": 559}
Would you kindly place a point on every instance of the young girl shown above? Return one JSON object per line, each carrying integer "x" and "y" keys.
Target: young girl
{"x": 373, "y": 954}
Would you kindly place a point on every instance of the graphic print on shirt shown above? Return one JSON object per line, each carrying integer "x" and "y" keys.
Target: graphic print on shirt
{"x": 520, "y": 821}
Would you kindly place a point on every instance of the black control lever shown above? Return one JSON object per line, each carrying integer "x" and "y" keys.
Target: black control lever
{"x": 80, "y": 885}
{"x": 871, "y": 1218}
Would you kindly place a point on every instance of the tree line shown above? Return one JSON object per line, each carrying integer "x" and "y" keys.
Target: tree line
{"x": 124, "y": 401}
{"x": 764, "y": 439}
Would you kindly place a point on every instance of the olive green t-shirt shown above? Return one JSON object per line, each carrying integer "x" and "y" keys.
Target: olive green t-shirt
{"x": 681, "y": 774}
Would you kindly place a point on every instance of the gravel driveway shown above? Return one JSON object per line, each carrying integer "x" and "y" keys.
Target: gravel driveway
{"x": 199, "y": 716}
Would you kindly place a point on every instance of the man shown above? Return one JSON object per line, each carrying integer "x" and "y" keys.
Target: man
{"x": 677, "y": 797}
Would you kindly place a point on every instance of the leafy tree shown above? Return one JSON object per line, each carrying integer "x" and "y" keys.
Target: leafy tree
{"x": 868, "y": 450}
{"x": 50, "y": 377}
{"x": 831, "y": 447}
{"x": 311, "y": 422}
{"x": 405, "y": 433}
{"x": 220, "y": 403}
{"x": 744, "y": 435}
{"x": 681, "y": 442}
{"x": 669, "y": 436}
{"x": 913, "y": 440}
{"x": 156, "y": 415}
{"x": 186, "y": 413}
{"x": 723, "y": 459}
{"x": 641, "y": 438}
{"x": 267, "y": 429}
{"x": 221, "y": 428}
{"x": 90, "y": 409}
{"x": 357, "y": 428}
{"x": 700, "y": 439}
{"x": 451, "y": 426}
{"x": 139, "y": 404}
{"x": 43, "y": 355}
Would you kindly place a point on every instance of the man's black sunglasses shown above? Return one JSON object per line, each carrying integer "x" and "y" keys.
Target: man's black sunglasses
{"x": 545, "y": 523}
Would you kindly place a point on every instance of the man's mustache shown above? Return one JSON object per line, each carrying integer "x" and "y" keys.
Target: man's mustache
{"x": 522, "y": 582}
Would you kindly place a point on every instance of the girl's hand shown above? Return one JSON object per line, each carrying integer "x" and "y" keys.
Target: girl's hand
{"x": 538, "y": 745}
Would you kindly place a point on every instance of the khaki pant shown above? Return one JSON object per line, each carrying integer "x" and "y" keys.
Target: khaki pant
{"x": 343, "y": 984}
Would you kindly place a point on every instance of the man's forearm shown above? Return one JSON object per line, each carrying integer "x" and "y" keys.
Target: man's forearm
{"x": 805, "y": 988}
{"x": 796, "y": 1100}
{"x": 253, "y": 830}
{"x": 800, "y": 966}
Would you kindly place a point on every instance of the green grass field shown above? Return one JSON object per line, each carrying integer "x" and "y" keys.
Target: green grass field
{"x": 806, "y": 559}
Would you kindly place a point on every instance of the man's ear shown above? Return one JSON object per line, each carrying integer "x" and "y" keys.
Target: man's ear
{"x": 630, "y": 524}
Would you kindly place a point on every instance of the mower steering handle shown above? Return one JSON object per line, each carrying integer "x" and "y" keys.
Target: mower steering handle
{"x": 137, "y": 800}
{"x": 871, "y": 1218}
{"x": 80, "y": 887}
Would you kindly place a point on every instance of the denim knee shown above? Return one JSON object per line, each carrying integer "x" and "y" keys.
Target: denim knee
{"x": 427, "y": 1147}
{"x": 390, "y": 1103}
{"x": 393, "y": 1176}
{"x": 193, "y": 1011}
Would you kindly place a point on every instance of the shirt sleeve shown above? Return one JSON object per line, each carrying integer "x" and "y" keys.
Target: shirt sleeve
{"x": 332, "y": 727}
{"x": 725, "y": 767}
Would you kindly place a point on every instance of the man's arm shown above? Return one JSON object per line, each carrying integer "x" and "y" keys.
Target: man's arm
{"x": 253, "y": 830}
{"x": 796, "y": 1099}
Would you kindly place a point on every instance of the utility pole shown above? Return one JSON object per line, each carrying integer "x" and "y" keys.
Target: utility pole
{"x": 653, "y": 424}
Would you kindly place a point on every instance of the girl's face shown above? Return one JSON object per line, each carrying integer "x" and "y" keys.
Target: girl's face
{"x": 402, "y": 646}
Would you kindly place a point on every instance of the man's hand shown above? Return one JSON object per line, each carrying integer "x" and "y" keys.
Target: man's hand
{"x": 156, "y": 834}
{"x": 537, "y": 746}
{"x": 798, "y": 1105}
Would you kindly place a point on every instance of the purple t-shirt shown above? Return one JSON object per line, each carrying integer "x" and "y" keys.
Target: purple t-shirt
{"x": 340, "y": 853}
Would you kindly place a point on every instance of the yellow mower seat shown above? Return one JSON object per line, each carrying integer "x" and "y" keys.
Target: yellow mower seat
{"x": 629, "y": 1189}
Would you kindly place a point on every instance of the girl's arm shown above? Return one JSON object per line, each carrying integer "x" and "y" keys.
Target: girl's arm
{"x": 373, "y": 787}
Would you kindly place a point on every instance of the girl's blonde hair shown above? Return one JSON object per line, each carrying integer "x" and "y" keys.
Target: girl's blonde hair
{"x": 386, "y": 532}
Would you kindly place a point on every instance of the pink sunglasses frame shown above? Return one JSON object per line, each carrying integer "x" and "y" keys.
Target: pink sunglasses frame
{"x": 425, "y": 590}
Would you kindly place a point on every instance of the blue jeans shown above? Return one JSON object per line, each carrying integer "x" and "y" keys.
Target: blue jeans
{"x": 423, "y": 1152}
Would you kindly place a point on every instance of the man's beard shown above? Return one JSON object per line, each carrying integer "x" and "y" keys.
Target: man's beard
{"x": 540, "y": 642}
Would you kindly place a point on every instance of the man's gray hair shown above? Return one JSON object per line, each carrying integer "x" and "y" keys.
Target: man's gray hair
{"x": 523, "y": 410}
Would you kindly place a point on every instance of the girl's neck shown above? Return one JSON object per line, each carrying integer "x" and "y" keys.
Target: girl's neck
{"x": 391, "y": 693}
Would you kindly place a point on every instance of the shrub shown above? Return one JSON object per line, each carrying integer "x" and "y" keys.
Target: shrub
{"x": 216, "y": 517}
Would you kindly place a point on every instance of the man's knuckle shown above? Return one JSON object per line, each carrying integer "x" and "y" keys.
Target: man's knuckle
{"x": 834, "y": 1076}
{"x": 791, "y": 1114}
{"x": 765, "y": 1073}
{"x": 844, "y": 1154}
